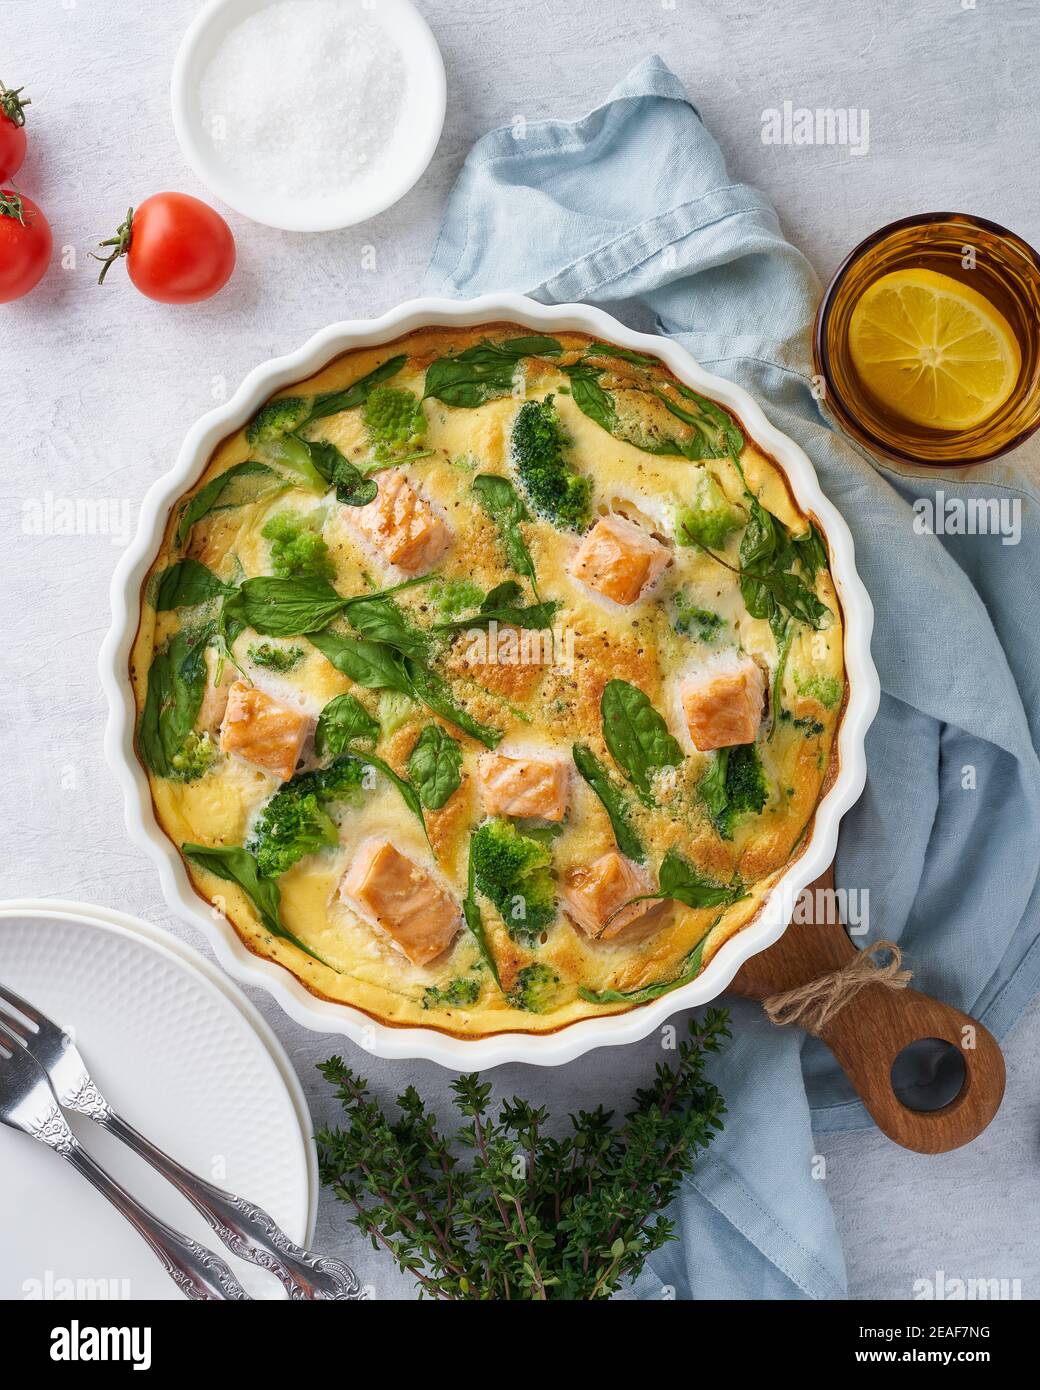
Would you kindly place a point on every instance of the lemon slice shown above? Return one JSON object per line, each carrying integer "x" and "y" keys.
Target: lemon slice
{"x": 933, "y": 350}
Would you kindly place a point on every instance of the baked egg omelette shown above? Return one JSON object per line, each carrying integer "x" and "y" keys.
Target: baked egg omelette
{"x": 487, "y": 681}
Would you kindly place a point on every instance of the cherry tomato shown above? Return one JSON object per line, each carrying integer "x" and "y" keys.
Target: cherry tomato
{"x": 12, "y": 131}
{"x": 178, "y": 249}
{"x": 25, "y": 245}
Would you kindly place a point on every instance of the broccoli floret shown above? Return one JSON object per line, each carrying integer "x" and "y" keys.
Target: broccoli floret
{"x": 458, "y": 995}
{"x": 289, "y": 826}
{"x": 294, "y": 822}
{"x": 455, "y": 596}
{"x": 515, "y": 872}
{"x": 276, "y": 418}
{"x": 554, "y": 489}
{"x": 689, "y": 618}
{"x": 275, "y": 658}
{"x": 825, "y": 690}
{"x": 534, "y": 989}
{"x": 297, "y": 549}
{"x": 734, "y": 785}
{"x": 194, "y": 758}
{"x": 709, "y": 517}
{"x": 394, "y": 711}
{"x": 395, "y": 422}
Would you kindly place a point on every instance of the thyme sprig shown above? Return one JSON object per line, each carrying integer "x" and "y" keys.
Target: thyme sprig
{"x": 500, "y": 1209}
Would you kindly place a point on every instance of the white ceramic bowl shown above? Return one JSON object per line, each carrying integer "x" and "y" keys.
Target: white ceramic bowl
{"x": 380, "y": 1039}
{"x": 405, "y": 160}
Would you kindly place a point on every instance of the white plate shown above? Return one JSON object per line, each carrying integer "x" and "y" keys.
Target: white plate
{"x": 186, "y": 1058}
{"x": 324, "y": 1015}
{"x": 402, "y": 163}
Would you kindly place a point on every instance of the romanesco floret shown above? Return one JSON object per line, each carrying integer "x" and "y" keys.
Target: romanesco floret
{"x": 534, "y": 989}
{"x": 395, "y": 422}
{"x": 709, "y": 517}
{"x": 515, "y": 872}
{"x": 194, "y": 758}
{"x": 554, "y": 489}
{"x": 297, "y": 548}
{"x": 276, "y": 418}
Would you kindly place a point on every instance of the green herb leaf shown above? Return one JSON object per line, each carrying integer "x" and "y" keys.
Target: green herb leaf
{"x": 435, "y": 766}
{"x": 637, "y": 736}
{"x": 224, "y": 491}
{"x": 613, "y": 799}
{"x": 471, "y": 914}
{"x": 335, "y": 402}
{"x": 176, "y": 684}
{"x": 379, "y": 618}
{"x": 373, "y": 665}
{"x": 353, "y": 489}
{"x": 409, "y": 795}
{"x": 501, "y": 502}
{"x": 289, "y": 607}
{"x": 500, "y": 606}
{"x": 237, "y": 865}
{"x": 689, "y": 970}
{"x": 436, "y": 695}
{"x": 343, "y": 720}
{"x": 483, "y": 372}
{"x": 187, "y": 583}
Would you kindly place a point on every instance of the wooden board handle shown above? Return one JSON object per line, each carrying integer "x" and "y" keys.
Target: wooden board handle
{"x": 873, "y": 1028}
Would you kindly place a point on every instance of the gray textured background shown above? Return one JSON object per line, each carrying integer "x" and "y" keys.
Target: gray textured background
{"x": 98, "y": 387}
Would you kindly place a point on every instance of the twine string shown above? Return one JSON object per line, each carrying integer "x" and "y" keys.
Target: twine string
{"x": 814, "y": 1004}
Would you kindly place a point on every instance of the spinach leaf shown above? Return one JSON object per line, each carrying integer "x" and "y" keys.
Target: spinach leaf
{"x": 176, "y": 684}
{"x": 637, "y": 736}
{"x": 379, "y": 618}
{"x": 590, "y": 397}
{"x": 716, "y": 435}
{"x": 436, "y": 695}
{"x": 435, "y": 766}
{"x": 767, "y": 587}
{"x": 500, "y": 606}
{"x": 236, "y": 865}
{"x": 712, "y": 789}
{"x": 471, "y": 914}
{"x": 501, "y": 502}
{"x": 186, "y": 583}
{"x": 689, "y": 970}
{"x": 483, "y": 372}
{"x": 614, "y": 801}
{"x": 625, "y": 354}
{"x": 284, "y": 607}
{"x": 334, "y": 402}
{"x": 343, "y": 720}
{"x": 683, "y": 882}
{"x": 213, "y": 497}
{"x": 352, "y": 488}
{"x": 373, "y": 665}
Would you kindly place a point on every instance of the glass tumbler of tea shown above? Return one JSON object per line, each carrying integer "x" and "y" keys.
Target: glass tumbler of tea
{"x": 927, "y": 341}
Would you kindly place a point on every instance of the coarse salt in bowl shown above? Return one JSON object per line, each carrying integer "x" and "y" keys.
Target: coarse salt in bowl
{"x": 308, "y": 115}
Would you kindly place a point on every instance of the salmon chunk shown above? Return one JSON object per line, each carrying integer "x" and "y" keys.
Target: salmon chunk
{"x": 523, "y": 786}
{"x": 263, "y": 730}
{"x": 402, "y": 525}
{"x": 392, "y": 892}
{"x": 723, "y": 703}
{"x": 619, "y": 559}
{"x": 592, "y": 895}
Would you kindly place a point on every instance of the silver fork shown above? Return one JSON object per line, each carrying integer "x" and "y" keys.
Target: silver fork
{"x": 245, "y": 1229}
{"x": 28, "y": 1103}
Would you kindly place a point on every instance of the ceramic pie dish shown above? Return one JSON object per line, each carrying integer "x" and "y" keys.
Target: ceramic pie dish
{"x": 301, "y": 992}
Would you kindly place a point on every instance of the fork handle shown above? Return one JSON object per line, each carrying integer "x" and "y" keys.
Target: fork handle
{"x": 197, "y": 1272}
{"x": 246, "y": 1229}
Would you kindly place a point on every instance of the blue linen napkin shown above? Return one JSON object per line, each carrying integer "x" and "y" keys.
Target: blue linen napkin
{"x": 632, "y": 208}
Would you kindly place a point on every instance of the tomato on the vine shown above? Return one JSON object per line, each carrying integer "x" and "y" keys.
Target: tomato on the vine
{"x": 25, "y": 245}
{"x": 177, "y": 249}
{"x": 12, "y": 130}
